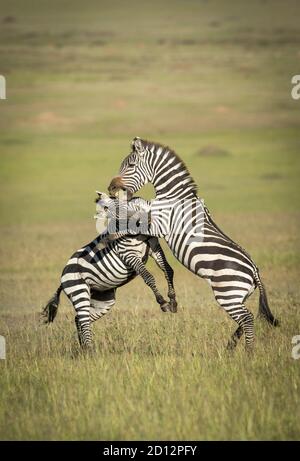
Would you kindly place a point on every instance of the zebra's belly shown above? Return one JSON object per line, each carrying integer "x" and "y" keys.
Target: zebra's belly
{"x": 209, "y": 260}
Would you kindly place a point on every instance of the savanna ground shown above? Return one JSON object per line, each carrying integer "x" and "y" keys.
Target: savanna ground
{"x": 211, "y": 79}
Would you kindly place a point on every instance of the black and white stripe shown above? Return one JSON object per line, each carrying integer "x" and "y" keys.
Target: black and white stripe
{"x": 93, "y": 273}
{"x": 178, "y": 215}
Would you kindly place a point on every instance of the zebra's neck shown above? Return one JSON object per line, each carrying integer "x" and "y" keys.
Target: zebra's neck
{"x": 178, "y": 194}
{"x": 171, "y": 179}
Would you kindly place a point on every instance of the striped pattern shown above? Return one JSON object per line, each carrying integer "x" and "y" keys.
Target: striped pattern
{"x": 93, "y": 273}
{"x": 193, "y": 237}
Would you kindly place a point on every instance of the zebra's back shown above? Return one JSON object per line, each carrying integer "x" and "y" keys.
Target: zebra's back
{"x": 100, "y": 269}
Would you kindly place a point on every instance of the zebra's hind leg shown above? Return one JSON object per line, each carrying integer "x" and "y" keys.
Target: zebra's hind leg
{"x": 232, "y": 343}
{"x": 84, "y": 327}
{"x": 245, "y": 321}
{"x": 101, "y": 303}
{"x": 77, "y": 323}
{"x": 79, "y": 295}
{"x": 81, "y": 301}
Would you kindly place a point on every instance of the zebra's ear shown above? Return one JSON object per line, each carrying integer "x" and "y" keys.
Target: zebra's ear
{"x": 137, "y": 146}
{"x": 102, "y": 195}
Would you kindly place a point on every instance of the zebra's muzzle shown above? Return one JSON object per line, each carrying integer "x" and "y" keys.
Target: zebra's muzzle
{"x": 116, "y": 186}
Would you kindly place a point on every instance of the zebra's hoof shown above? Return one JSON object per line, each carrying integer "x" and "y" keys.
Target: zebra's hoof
{"x": 88, "y": 349}
{"x": 173, "y": 306}
{"x": 169, "y": 307}
{"x": 249, "y": 349}
{"x": 165, "y": 307}
{"x": 231, "y": 345}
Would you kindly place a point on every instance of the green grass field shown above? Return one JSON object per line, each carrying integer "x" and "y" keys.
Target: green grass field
{"x": 212, "y": 80}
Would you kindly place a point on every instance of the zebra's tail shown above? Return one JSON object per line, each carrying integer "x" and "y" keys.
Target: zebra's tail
{"x": 264, "y": 310}
{"x": 50, "y": 310}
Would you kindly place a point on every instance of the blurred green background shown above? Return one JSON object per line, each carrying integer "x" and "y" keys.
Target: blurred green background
{"x": 82, "y": 81}
{"x": 212, "y": 79}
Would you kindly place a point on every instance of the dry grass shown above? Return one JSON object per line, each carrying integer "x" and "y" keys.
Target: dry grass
{"x": 153, "y": 375}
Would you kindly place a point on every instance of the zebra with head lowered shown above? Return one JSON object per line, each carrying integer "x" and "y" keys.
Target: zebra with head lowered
{"x": 94, "y": 272}
{"x": 182, "y": 219}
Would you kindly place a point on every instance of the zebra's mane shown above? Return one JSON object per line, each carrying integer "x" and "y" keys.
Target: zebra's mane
{"x": 155, "y": 145}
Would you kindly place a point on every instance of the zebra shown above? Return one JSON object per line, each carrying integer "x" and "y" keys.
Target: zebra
{"x": 183, "y": 220}
{"x": 94, "y": 272}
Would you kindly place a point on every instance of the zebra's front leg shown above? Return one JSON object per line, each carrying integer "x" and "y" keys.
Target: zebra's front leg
{"x": 138, "y": 265}
{"x": 159, "y": 257}
{"x": 245, "y": 320}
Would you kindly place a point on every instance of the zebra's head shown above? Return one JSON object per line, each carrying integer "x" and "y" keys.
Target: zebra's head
{"x": 150, "y": 162}
{"x": 103, "y": 202}
{"x": 111, "y": 211}
{"x": 111, "y": 207}
{"x": 135, "y": 170}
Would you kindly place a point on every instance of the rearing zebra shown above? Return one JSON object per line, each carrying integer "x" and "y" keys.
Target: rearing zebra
{"x": 94, "y": 272}
{"x": 182, "y": 219}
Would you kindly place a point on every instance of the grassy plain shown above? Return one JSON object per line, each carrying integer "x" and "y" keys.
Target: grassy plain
{"x": 211, "y": 79}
